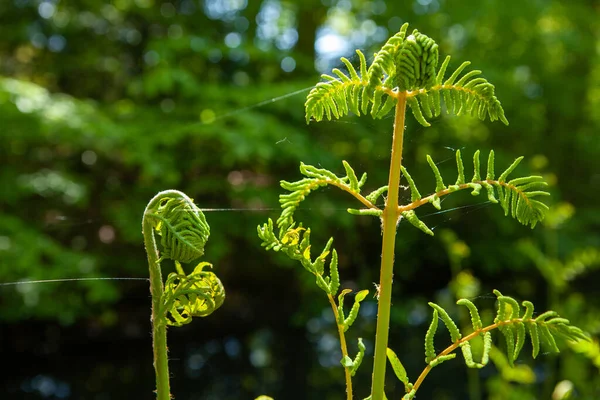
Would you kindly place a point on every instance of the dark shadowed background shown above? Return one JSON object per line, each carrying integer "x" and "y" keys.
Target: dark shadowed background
{"x": 105, "y": 103}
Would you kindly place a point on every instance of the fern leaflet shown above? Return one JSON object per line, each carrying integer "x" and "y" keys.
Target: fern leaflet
{"x": 516, "y": 196}
{"x": 353, "y": 365}
{"x": 510, "y": 320}
{"x": 319, "y": 177}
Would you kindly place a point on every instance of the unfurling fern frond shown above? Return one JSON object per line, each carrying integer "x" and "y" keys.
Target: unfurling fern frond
{"x": 416, "y": 63}
{"x": 405, "y": 65}
{"x": 198, "y": 294}
{"x": 516, "y": 196}
{"x": 295, "y": 243}
{"x": 542, "y": 329}
{"x": 316, "y": 178}
{"x": 184, "y": 231}
{"x": 514, "y": 324}
{"x": 181, "y": 225}
{"x": 384, "y": 61}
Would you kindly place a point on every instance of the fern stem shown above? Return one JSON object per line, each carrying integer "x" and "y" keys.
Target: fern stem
{"x": 343, "y": 346}
{"x": 389, "y": 221}
{"x": 159, "y": 328}
{"x": 346, "y": 188}
{"x": 356, "y": 195}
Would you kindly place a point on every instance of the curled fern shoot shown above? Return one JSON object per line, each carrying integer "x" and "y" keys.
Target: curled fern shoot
{"x": 467, "y": 95}
{"x": 515, "y": 196}
{"x": 198, "y": 294}
{"x": 510, "y": 320}
{"x": 182, "y": 228}
{"x": 409, "y": 65}
{"x": 184, "y": 231}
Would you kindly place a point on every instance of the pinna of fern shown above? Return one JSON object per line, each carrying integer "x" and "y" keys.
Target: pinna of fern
{"x": 407, "y": 64}
{"x": 294, "y": 241}
{"x": 516, "y": 196}
{"x": 514, "y": 323}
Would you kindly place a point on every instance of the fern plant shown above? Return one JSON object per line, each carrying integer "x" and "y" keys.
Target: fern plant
{"x": 183, "y": 232}
{"x": 405, "y": 73}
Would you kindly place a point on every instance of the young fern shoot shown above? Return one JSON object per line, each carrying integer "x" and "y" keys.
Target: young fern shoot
{"x": 404, "y": 73}
{"x": 183, "y": 231}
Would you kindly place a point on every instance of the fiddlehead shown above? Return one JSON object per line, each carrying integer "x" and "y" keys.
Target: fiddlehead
{"x": 514, "y": 323}
{"x": 198, "y": 294}
{"x": 184, "y": 231}
{"x": 516, "y": 196}
{"x": 182, "y": 227}
{"x": 406, "y": 65}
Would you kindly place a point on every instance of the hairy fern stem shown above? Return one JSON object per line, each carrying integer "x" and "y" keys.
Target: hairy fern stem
{"x": 183, "y": 231}
{"x": 389, "y": 220}
{"x": 159, "y": 328}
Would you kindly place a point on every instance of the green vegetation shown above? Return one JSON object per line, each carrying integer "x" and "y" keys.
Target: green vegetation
{"x": 184, "y": 232}
{"x": 105, "y": 104}
{"x": 405, "y": 69}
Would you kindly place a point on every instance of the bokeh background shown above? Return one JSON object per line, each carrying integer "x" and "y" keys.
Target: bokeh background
{"x": 105, "y": 103}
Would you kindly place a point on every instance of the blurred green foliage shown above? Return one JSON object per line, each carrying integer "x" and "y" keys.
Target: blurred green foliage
{"x": 103, "y": 104}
